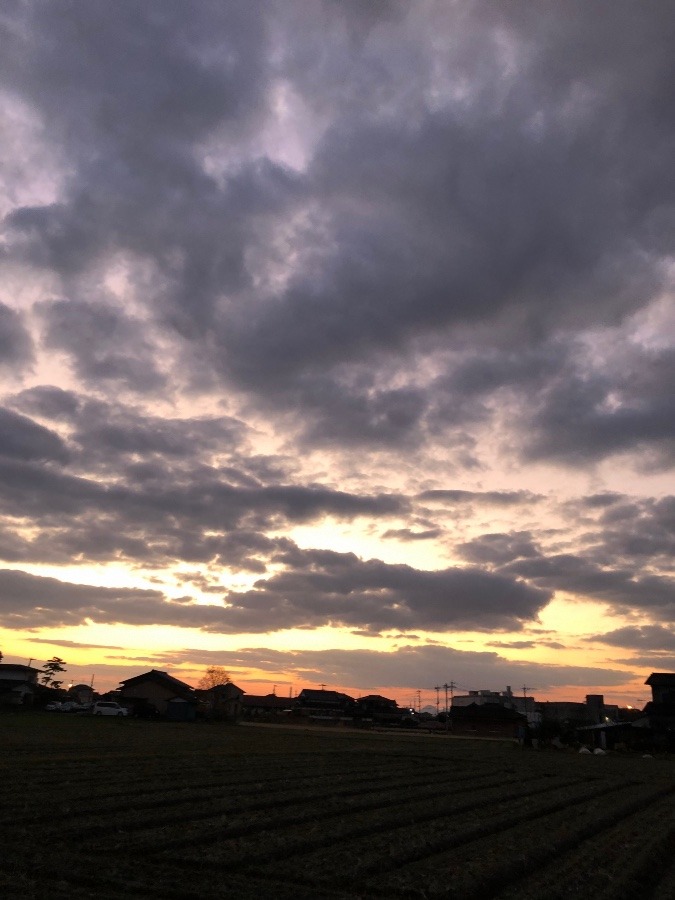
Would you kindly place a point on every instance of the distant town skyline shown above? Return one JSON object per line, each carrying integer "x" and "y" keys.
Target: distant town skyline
{"x": 337, "y": 343}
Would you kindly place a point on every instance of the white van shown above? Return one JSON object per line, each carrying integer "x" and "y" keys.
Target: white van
{"x": 109, "y": 708}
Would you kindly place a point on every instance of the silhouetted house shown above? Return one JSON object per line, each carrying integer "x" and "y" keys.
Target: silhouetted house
{"x": 658, "y": 716}
{"x": 156, "y": 690}
{"x": 593, "y": 712}
{"x": 377, "y": 710}
{"x": 265, "y": 708}
{"x": 324, "y": 704}
{"x": 222, "y": 702}
{"x": 663, "y": 688}
{"x": 486, "y": 720}
{"x": 82, "y": 693}
{"x": 18, "y": 684}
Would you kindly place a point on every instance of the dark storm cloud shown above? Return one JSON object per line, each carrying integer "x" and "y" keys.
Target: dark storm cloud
{"x": 588, "y": 417}
{"x": 32, "y": 601}
{"x": 16, "y": 346}
{"x": 639, "y": 638}
{"x": 324, "y": 587}
{"x": 584, "y": 578}
{"x": 22, "y": 438}
{"x": 492, "y": 498}
{"x": 520, "y": 179}
{"x": 634, "y": 531}
{"x": 437, "y": 229}
{"x": 317, "y": 588}
{"x": 105, "y": 344}
{"x": 498, "y": 549}
{"x": 508, "y": 200}
{"x": 169, "y": 506}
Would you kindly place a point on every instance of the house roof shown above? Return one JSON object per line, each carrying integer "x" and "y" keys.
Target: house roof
{"x": 491, "y": 711}
{"x": 229, "y": 689}
{"x": 319, "y": 696}
{"x": 376, "y": 698}
{"x": 16, "y": 667}
{"x": 163, "y": 678}
{"x": 659, "y": 679}
{"x": 268, "y": 701}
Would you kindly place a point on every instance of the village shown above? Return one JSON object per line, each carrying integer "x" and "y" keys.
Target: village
{"x": 158, "y": 695}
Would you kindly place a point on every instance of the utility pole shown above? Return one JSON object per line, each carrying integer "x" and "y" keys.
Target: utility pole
{"x": 419, "y": 701}
{"x": 451, "y": 688}
{"x": 438, "y": 699}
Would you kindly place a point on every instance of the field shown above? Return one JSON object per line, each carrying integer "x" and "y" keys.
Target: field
{"x": 121, "y": 808}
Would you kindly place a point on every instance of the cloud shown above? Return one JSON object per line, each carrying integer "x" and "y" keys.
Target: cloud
{"x": 639, "y": 638}
{"x": 381, "y": 265}
{"x": 21, "y": 438}
{"x": 408, "y": 534}
{"x": 583, "y": 578}
{"x": 104, "y": 343}
{"x": 493, "y": 498}
{"x": 402, "y": 669}
{"x": 328, "y": 588}
{"x": 499, "y": 549}
{"x": 16, "y": 346}
{"x": 391, "y": 231}
{"x": 314, "y": 589}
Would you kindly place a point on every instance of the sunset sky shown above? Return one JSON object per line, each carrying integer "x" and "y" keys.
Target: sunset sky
{"x": 338, "y": 343}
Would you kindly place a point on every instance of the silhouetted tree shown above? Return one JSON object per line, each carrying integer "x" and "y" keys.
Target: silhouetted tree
{"x": 52, "y": 667}
{"x": 214, "y": 676}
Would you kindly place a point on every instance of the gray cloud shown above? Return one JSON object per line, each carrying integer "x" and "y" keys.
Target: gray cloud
{"x": 105, "y": 344}
{"x": 374, "y": 262}
{"x": 498, "y": 549}
{"x": 340, "y": 589}
{"x": 639, "y": 637}
{"x": 16, "y": 346}
{"x": 21, "y": 438}
{"x": 404, "y": 668}
{"x": 317, "y": 588}
{"x": 404, "y": 209}
{"x": 584, "y": 578}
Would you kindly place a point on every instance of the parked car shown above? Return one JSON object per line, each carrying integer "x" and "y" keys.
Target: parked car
{"x": 109, "y": 708}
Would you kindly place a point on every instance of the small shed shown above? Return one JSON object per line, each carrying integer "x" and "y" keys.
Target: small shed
{"x": 179, "y": 710}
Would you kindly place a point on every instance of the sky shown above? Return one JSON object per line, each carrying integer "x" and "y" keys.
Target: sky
{"x": 337, "y": 343}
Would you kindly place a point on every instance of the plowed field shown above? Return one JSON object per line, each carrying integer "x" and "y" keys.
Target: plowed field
{"x": 119, "y": 808}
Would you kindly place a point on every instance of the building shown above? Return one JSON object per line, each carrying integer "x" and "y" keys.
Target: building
{"x": 18, "y": 684}
{"x": 658, "y": 716}
{"x": 155, "y": 690}
{"x": 324, "y": 704}
{"x": 82, "y": 693}
{"x": 493, "y": 720}
{"x": 526, "y": 706}
{"x": 663, "y": 687}
{"x": 222, "y": 701}
{"x": 374, "y": 709}
{"x": 265, "y": 707}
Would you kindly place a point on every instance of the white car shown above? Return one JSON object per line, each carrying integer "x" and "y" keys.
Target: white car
{"x": 109, "y": 708}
